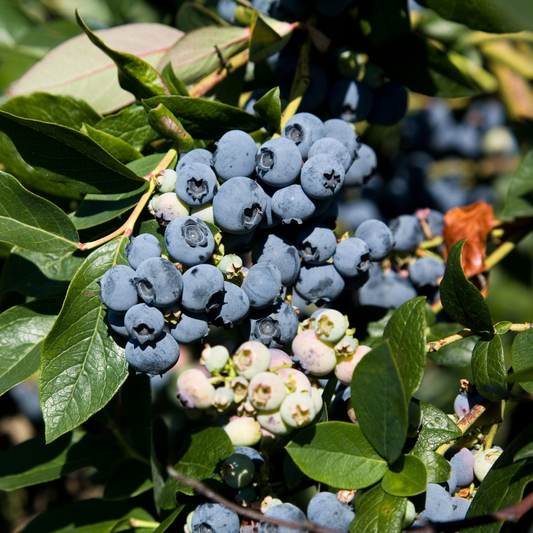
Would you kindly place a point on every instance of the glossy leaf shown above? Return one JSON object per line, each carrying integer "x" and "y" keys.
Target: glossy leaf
{"x": 134, "y": 74}
{"x": 144, "y": 166}
{"x": 205, "y": 119}
{"x": 522, "y": 359}
{"x": 406, "y": 334}
{"x": 522, "y": 377}
{"x": 504, "y": 484}
{"x": 461, "y": 299}
{"x": 203, "y": 453}
{"x": 383, "y": 422}
{"x": 33, "y": 461}
{"x": 377, "y": 512}
{"x": 127, "y": 479}
{"x": 519, "y": 201}
{"x": 81, "y": 365}
{"x": 66, "y": 155}
{"x": 95, "y": 78}
{"x": 39, "y": 274}
{"x": 131, "y": 125}
{"x": 169, "y": 520}
{"x": 176, "y": 86}
{"x": 488, "y": 368}
{"x": 525, "y": 453}
{"x": 268, "y": 107}
{"x": 119, "y": 149}
{"x": 457, "y": 354}
{"x": 99, "y": 208}
{"x": 437, "y": 428}
{"x": 192, "y": 15}
{"x": 22, "y": 331}
{"x": 407, "y": 476}
{"x": 164, "y": 122}
{"x": 268, "y": 36}
{"x": 338, "y": 454}
{"x": 86, "y": 516}
{"x": 194, "y": 56}
{"x": 438, "y": 469}
{"x": 29, "y": 221}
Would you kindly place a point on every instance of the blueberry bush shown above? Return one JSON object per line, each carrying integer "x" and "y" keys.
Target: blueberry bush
{"x": 246, "y": 256}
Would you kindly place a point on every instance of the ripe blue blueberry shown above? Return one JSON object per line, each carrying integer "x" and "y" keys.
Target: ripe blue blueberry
{"x": 322, "y": 176}
{"x": 342, "y": 131}
{"x": 262, "y": 285}
{"x": 234, "y": 308}
{"x": 252, "y": 454}
{"x": 407, "y": 233}
{"x": 278, "y": 162}
{"x": 326, "y": 510}
{"x": 142, "y": 247}
{"x": 117, "y": 288}
{"x": 438, "y": 504}
{"x": 215, "y": 518}
{"x": 460, "y": 508}
{"x": 350, "y": 100}
{"x": 363, "y": 168}
{"x": 463, "y": 465}
{"x": 144, "y": 323}
{"x": 196, "y": 184}
{"x": 158, "y": 282}
{"x": 235, "y": 155}
{"x": 316, "y": 244}
{"x": 281, "y": 253}
{"x": 319, "y": 283}
{"x": 425, "y": 271}
{"x": 190, "y": 327}
{"x": 352, "y": 257}
{"x": 198, "y": 155}
{"x": 283, "y": 511}
{"x": 389, "y": 290}
{"x": 153, "y": 357}
{"x": 203, "y": 288}
{"x": 378, "y": 237}
{"x": 116, "y": 323}
{"x": 334, "y": 148}
{"x": 291, "y": 204}
{"x": 303, "y": 129}
{"x": 189, "y": 241}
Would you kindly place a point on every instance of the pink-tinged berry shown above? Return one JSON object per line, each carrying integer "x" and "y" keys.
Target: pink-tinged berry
{"x": 243, "y": 431}
{"x": 223, "y": 399}
{"x": 484, "y": 461}
{"x": 330, "y": 326}
{"x": 346, "y": 365}
{"x": 273, "y": 422}
{"x": 194, "y": 389}
{"x": 298, "y": 409}
{"x": 315, "y": 356}
{"x": 461, "y": 405}
{"x": 266, "y": 391}
{"x": 316, "y": 394}
{"x": 346, "y": 346}
{"x": 295, "y": 380}
{"x": 240, "y": 389}
{"x": 278, "y": 358}
{"x": 251, "y": 358}
{"x": 214, "y": 358}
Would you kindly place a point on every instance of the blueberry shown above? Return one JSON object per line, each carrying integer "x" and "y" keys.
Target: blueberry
{"x": 390, "y": 104}
{"x": 239, "y": 205}
{"x": 238, "y": 471}
{"x": 330, "y": 325}
{"x": 215, "y": 518}
{"x": 243, "y": 431}
{"x": 195, "y": 390}
{"x": 144, "y": 323}
{"x": 235, "y": 155}
{"x": 190, "y": 328}
{"x": 352, "y": 257}
{"x": 363, "y": 168}
{"x": 283, "y": 511}
{"x": 252, "y": 454}
{"x": 226, "y": 10}
{"x": 350, "y": 100}
{"x": 116, "y": 323}
{"x": 425, "y": 271}
{"x": 438, "y": 506}
{"x": 153, "y": 357}
{"x": 235, "y": 243}
{"x": 484, "y": 461}
{"x": 435, "y": 221}
{"x": 278, "y": 358}
{"x": 298, "y": 409}
{"x": 315, "y": 356}
{"x": 343, "y": 131}
{"x": 189, "y": 241}
{"x": 214, "y": 358}
{"x": 322, "y": 176}
{"x": 262, "y": 285}
{"x": 460, "y": 508}
{"x": 295, "y": 380}
{"x": 196, "y": 184}
{"x": 251, "y": 358}
{"x": 291, "y": 204}
{"x": 142, "y": 247}
{"x": 117, "y": 288}
{"x": 326, "y": 510}
{"x": 407, "y": 233}
{"x": 304, "y": 129}
{"x": 463, "y": 465}
{"x": 389, "y": 290}
{"x": 168, "y": 206}
{"x": 316, "y": 244}
{"x": 203, "y": 288}
{"x": 319, "y": 283}
{"x": 167, "y": 181}
{"x": 234, "y": 308}
{"x": 158, "y": 282}
{"x": 281, "y": 253}
{"x": 345, "y": 366}
{"x": 198, "y": 155}
{"x": 334, "y": 148}
{"x": 467, "y": 141}
{"x": 378, "y": 237}
{"x": 461, "y": 405}
{"x": 266, "y": 391}
{"x": 278, "y": 162}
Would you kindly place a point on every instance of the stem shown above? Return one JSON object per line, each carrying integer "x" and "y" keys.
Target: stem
{"x": 210, "y": 81}
{"x": 490, "y": 436}
{"x": 495, "y": 257}
{"x": 435, "y": 346}
{"x": 143, "y": 523}
{"x": 127, "y": 227}
{"x": 431, "y": 243}
{"x": 521, "y": 327}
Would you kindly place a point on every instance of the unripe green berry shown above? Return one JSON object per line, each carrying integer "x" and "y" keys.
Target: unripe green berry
{"x": 238, "y": 471}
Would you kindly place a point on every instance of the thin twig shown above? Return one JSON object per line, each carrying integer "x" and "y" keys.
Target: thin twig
{"x": 435, "y": 346}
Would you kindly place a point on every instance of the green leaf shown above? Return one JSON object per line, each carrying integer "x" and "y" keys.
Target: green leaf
{"x": 36, "y": 275}
{"x": 168, "y": 126}
{"x": 204, "y": 119}
{"x": 33, "y": 461}
{"x": 488, "y": 369}
{"x": 86, "y": 516}
{"x": 22, "y": 331}
{"x": 81, "y": 365}
{"x": 337, "y": 453}
{"x": 522, "y": 360}
{"x": 461, "y": 299}
{"x": 134, "y": 75}
{"x": 192, "y": 15}
{"x": 265, "y": 40}
{"x": 204, "y": 453}
{"x": 147, "y": 164}
{"x": 194, "y": 56}
{"x": 119, "y": 149}
{"x": 96, "y": 209}
{"x": 66, "y": 155}
{"x": 169, "y": 520}
{"x": 438, "y": 469}
{"x": 525, "y": 453}
{"x": 407, "y": 476}
{"x": 504, "y": 484}
{"x": 176, "y": 86}
{"x": 95, "y": 78}
{"x": 57, "y": 109}
{"x": 131, "y": 125}
{"x": 32, "y": 222}
{"x": 128, "y": 479}
{"x": 380, "y": 402}
{"x": 268, "y": 107}
{"x": 437, "y": 428}
{"x": 406, "y": 334}
{"x": 519, "y": 201}
{"x": 457, "y": 354}
{"x": 378, "y": 512}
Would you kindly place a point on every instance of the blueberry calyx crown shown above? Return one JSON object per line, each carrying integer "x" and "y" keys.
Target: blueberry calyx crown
{"x": 251, "y": 216}
{"x": 194, "y": 234}
{"x": 267, "y": 329}
{"x": 265, "y": 160}
{"x": 295, "y": 133}
{"x": 197, "y": 188}
{"x": 332, "y": 180}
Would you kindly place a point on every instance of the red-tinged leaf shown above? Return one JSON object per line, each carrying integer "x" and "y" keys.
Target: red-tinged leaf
{"x": 94, "y": 79}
